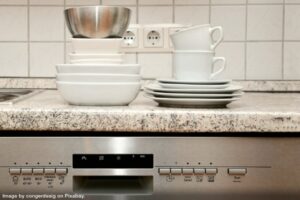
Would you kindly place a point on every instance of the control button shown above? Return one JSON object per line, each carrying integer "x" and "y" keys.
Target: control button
{"x": 186, "y": 171}
{"x": 50, "y": 171}
{"x": 26, "y": 171}
{"x": 39, "y": 171}
{"x": 176, "y": 171}
{"x": 164, "y": 171}
{"x": 211, "y": 171}
{"x": 61, "y": 171}
{"x": 15, "y": 171}
{"x": 237, "y": 171}
{"x": 199, "y": 171}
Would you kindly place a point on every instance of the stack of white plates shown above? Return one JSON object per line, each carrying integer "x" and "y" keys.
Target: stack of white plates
{"x": 212, "y": 93}
{"x": 97, "y": 75}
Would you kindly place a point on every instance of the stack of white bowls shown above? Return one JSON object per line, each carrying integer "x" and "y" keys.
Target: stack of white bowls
{"x": 195, "y": 81}
{"x": 97, "y": 74}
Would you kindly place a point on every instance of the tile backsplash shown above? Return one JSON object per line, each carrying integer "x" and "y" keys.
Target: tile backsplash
{"x": 261, "y": 37}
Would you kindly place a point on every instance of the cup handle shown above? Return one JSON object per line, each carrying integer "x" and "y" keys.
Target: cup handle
{"x": 215, "y": 60}
{"x": 219, "y": 40}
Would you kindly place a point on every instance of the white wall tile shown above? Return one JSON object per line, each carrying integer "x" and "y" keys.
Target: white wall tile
{"x": 155, "y": 14}
{"x": 44, "y": 57}
{"x": 13, "y": 23}
{"x": 228, "y": 1}
{"x": 131, "y": 58}
{"x": 264, "y": 61}
{"x": 264, "y": 1}
{"x": 193, "y": 2}
{"x": 119, "y": 2}
{"x": 192, "y": 14}
{"x": 80, "y": 2}
{"x": 46, "y": 2}
{"x": 265, "y": 22}
{"x": 14, "y": 59}
{"x": 232, "y": 19}
{"x": 156, "y": 2}
{"x": 291, "y": 1}
{"x": 46, "y": 24}
{"x": 155, "y": 65}
{"x": 133, "y": 18}
{"x": 13, "y": 2}
{"x": 292, "y": 61}
{"x": 234, "y": 52}
{"x": 292, "y": 22}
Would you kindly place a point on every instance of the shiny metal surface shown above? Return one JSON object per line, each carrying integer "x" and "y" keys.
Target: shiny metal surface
{"x": 11, "y": 96}
{"x": 272, "y": 166}
{"x": 97, "y": 21}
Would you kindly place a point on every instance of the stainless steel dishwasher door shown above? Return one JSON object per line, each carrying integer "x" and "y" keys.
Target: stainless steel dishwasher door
{"x": 235, "y": 168}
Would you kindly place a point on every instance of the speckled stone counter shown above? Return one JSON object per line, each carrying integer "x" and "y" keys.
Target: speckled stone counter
{"x": 254, "y": 112}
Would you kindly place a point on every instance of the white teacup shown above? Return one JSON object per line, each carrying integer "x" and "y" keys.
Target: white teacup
{"x": 197, "y": 38}
{"x": 196, "y": 65}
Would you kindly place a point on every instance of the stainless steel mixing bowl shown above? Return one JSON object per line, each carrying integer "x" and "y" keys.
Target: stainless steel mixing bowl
{"x": 97, "y": 21}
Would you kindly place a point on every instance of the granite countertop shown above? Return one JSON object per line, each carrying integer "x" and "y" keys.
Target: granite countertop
{"x": 254, "y": 112}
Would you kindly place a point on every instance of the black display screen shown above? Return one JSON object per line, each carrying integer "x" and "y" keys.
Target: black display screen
{"x": 118, "y": 161}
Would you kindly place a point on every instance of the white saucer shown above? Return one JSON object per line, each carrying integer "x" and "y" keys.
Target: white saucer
{"x": 192, "y": 95}
{"x": 209, "y": 82}
{"x": 183, "y": 102}
{"x": 157, "y": 88}
{"x": 190, "y": 86}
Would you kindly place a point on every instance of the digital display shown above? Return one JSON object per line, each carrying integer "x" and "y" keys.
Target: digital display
{"x": 119, "y": 161}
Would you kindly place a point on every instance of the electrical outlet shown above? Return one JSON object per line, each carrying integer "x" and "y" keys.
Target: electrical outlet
{"x": 131, "y": 38}
{"x": 153, "y": 37}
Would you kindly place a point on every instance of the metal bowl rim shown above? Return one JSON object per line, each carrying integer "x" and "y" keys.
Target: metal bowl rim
{"x": 83, "y": 7}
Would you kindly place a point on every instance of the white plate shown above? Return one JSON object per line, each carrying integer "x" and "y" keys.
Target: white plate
{"x": 99, "y": 94}
{"x": 100, "y": 69}
{"x": 96, "y": 61}
{"x": 96, "y": 46}
{"x": 209, "y": 82}
{"x": 84, "y": 78}
{"x": 189, "y": 86}
{"x": 118, "y": 56}
{"x": 158, "y": 88}
{"x": 209, "y": 103}
{"x": 191, "y": 95}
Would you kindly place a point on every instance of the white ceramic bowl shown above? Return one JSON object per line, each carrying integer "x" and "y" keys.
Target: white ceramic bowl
{"x": 97, "y": 61}
{"x": 117, "y": 56}
{"x": 96, "y": 46}
{"x": 99, "y": 69}
{"x": 85, "y": 78}
{"x": 99, "y": 94}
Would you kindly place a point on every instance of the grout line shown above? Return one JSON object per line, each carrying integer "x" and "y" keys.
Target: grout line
{"x": 28, "y": 38}
{"x": 65, "y": 37}
{"x": 194, "y": 4}
{"x": 137, "y": 21}
{"x": 283, "y": 42}
{"x": 137, "y": 11}
{"x": 246, "y": 42}
{"x": 173, "y": 11}
{"x": 209, "y": 14}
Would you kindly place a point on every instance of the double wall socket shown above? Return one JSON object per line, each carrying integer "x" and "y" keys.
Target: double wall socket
{"x": 149, "y": 38}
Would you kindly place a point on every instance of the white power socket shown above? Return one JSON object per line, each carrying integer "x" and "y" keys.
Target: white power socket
{"x": 131, "y": 37}
{"x": 153, "y": 37}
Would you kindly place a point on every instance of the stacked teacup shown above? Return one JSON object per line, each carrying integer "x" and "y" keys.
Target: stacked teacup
{"x": 195, "y": 81}
{"x": 97, "y": 74}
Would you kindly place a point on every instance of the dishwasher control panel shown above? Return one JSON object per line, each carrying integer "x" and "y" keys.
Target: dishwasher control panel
{"x": 148, "y": 168}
